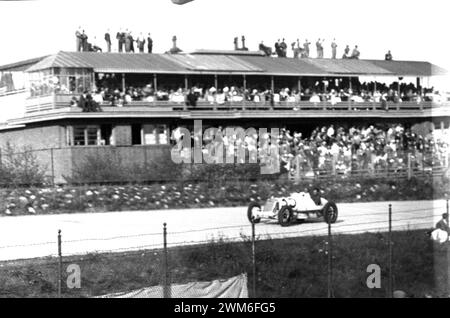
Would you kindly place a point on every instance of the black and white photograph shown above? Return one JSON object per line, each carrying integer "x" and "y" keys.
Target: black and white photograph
{"x": 247, "y": 150}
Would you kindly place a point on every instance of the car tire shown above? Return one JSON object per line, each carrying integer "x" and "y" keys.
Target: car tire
{"x": 330, "y": 212}
{"x": 250, "y": 217}
{"x": 285, "y": 216}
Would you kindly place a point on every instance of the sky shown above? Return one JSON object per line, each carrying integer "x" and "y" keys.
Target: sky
{"x": 411, "y": 29}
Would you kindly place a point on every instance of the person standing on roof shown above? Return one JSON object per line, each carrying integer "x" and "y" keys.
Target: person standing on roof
{"x": 306, "y": 47}
{"x": 108, "y": 41}
{"x": 131, "y": 42}
{"x": 127, "y": 41}
{"x": 120, "y": 40}
{"x": 283, "y": 47}
{"x": 149, "y": 43}
{"x": 319, "y": 49}
{"x": 333, "y": 49}
{"x": 140, "y": 41}
{"x": 84, "y": 41}
{"x": 79, "y": 40}
{"x": 278, "y": 48}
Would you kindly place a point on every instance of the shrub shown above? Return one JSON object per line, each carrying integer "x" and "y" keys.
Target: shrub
{"x": 19, "y": 166}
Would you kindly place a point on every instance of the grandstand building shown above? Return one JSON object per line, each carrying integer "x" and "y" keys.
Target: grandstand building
{"x": 43, "y": 96}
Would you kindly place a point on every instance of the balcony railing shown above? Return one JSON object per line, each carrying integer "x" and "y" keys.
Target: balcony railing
{"x": 49, "y": 102}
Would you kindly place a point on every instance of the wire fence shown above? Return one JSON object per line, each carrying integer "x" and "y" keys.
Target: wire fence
{"x": 157, "y": 255}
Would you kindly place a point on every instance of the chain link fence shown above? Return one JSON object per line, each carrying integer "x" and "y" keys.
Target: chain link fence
{"x": 303, "y": 260}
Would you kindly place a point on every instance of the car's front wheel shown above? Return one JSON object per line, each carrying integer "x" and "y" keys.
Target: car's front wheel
{"x": 252, "y": 210}
{"x": 285, "y": 216}
{"x": 330, "y": 212}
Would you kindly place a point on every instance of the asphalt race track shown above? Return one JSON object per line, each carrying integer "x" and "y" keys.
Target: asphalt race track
{"x": 23, "y": 237}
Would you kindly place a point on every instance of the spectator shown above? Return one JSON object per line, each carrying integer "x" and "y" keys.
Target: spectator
{"x": 140, "y": 41}
{"x": 79, "y": 40}
{"x": 127, "y": 41}
{"x": 388, "y": 56}
{"x": 131, "y": 42}
{"x": 94, "y": 47}
{"x": 283, "y": 47}
{"x": 149, "y": 43}
{"x": 346, "y": 52}
{"x": 315, "y": 98}
{"x": 108, "y": 41}
{"x": 319, "y": 48}
{"x": 306, "y": 47}
{"x": 278, "y": 48}
{"x": 120, "y": 36}
{"x": 191, "y": 99}
{"x": 333, "y": 49}
{"x": 267, "y": 50}
{"x": 355, "y": 53}
{"x": 295, "y": 50}
{"x": 84, "y": 42}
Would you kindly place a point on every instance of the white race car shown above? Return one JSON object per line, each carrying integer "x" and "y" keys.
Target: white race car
{"x": 299, "y": 206}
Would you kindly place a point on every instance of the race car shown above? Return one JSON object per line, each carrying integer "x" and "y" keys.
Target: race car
{"x": 299, "y": 206}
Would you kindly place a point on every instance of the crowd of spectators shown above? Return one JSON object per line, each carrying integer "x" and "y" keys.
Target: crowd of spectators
{"x": 368, "y": 148}
{"x": 330, "y": 92}
{"x": 128, "y": 42}
{"x": 334, "y": 149}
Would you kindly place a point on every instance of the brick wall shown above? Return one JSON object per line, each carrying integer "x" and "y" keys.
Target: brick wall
{"x": 36, "y": 137}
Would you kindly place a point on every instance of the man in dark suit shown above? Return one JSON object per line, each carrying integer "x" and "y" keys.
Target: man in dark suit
{"x": 120, "y": 40}
{"x": 108, "y": 41}
{"x": 84, "y": 42}
{"x": 191, "y": 99}
{"x": 149, "y": 44}
{"x": 131, "y": 42}
{"x": 82, "y": 102}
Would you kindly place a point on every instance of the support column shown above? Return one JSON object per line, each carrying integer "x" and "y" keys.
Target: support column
{"x": 299, "y": 85}
{"x": 123, "y": 82}
{"x": 155, "y": 82}
{"x": 186, "y": 82}
{"x": 272, "y": 84}
{"x": 244, "y": 82}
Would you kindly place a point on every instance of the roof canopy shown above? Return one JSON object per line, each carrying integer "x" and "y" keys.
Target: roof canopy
{"x": 232, "y": 64}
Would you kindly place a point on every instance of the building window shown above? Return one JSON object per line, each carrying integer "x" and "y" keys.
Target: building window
{"x": 87, "y": 136}
{"x": 155, "y": 134}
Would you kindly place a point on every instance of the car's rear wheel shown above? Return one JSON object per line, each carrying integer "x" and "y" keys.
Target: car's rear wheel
{"x": 251, "y": 212}
{"x": 285, "y": 216}
{"x": 330, "y": 212}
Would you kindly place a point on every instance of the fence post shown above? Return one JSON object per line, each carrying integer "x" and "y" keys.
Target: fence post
{"x": 166, "y": 287}
{"x": 330, "y": 263}
{"x": 59, "y": 264}
{"x": 390, "y": 252}
{"x": 253, "y": 259}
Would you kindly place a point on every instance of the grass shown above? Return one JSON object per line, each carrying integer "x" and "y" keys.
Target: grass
{"x": 295, "y": 267}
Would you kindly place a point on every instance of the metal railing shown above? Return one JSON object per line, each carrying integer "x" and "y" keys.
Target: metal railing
{"x": 56, "y": 101}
